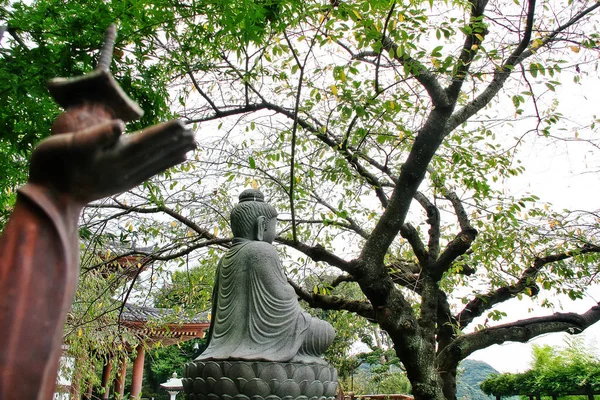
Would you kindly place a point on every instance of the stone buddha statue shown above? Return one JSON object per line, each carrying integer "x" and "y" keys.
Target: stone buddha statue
{"x": 255, "y": 314}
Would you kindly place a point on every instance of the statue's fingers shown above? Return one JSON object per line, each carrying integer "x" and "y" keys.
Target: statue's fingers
{"x": 121, "y": 174}
{"x": 160, "y": 144}
{"x": 153, "y": 138}
{"x": 143, "y": 169}
{"x": 98, "y": 137}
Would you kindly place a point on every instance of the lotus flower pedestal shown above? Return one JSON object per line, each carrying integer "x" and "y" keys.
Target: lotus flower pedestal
{"x": 258, "y": 380}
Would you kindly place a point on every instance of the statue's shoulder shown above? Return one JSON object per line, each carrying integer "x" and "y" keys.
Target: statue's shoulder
{"x": 258, "y": 251}
{"x": 259, "y": 246}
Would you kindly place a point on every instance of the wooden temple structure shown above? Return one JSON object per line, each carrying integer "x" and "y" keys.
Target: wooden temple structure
{"x": 145, "y": 322}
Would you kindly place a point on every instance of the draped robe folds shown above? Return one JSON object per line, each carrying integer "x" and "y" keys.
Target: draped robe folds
{"x": 256, "y": 315}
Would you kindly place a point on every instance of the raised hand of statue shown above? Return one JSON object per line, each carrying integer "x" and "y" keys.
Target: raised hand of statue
{"x": 81, "y": 162}
{"x": 87, "y": 158}
{"x": 101, "y": 161}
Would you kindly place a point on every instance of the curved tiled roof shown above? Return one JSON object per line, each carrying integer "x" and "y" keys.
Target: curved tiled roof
{"x": 133, "y": 313}
{"x": 163, "y": 324}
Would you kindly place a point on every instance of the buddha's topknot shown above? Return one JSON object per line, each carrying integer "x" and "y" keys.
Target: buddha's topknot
{"x": 252, "y": 195}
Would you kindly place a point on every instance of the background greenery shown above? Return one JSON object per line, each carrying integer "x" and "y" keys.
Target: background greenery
{"x": 574, "y": 369}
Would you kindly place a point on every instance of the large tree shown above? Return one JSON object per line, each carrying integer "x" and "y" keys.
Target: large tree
{"x": 379, "y": 130}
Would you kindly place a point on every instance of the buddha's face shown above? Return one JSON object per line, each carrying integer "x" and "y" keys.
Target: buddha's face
{"x": 270, "y": 231}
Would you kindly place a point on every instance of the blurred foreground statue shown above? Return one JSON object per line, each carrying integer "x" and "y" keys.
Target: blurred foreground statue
{"x": 261, "y": 342}
{"x": 85, "y": 159}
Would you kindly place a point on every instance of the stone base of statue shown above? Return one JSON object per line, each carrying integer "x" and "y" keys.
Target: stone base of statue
{"x": 258, "y": 380}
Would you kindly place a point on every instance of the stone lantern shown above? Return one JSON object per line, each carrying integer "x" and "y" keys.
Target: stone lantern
{"x": 173, "y": 386}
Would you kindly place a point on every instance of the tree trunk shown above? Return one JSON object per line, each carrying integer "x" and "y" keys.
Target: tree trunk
{"x": 418, "y": 357}
{"x": 449, "y": 383}
{"x": 426, "y": 391}
{"x": 445, "y": 334}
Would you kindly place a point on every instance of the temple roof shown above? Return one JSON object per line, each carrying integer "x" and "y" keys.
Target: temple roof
{"x": 133, "y": 313}
{"x": 164, "y": 324}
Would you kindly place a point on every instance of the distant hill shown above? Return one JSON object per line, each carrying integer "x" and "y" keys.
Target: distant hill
{"x": 470, "y": 374}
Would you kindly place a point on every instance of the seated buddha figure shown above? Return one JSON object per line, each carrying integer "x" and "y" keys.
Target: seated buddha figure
{"x": 255, "y": 311}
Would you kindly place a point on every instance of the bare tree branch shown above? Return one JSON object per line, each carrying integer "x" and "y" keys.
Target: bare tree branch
{"x": 250, "y": 108}
{"x": 412, "y": 174}
{"x": 456, "y": 248}
{"x": 319, "y": 253}
{"x": 385, "y": 26}
{"x": 156, "y": 209}
{"x": 513, "y": 59}
{"x": 482, "y": 303}
{"x": 423, "y": 75}
{"x": 470, "y": 47}
{"x": 340, "y": 279}
{"x": 461, "y": 214}
{"x": 12, "y": 32}
{"x": 518, "y": 56}
{"x": 131, "y": 285}
{"x": 433, "y": 219}
{"x": 204, "y": 95}
{"x": 301, "y": 66}
{"x": 383, "y": 168}
{"x": 163, "y": 255}
{"x": 353, "y": 225}
{"x": 362, "y": 308}
{"x": 334, "y": 144}
{"x": 519, "y": 331}
{"x": 409, "y": 233}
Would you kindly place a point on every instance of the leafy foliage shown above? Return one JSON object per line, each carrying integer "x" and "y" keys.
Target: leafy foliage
{"x": 189, "y": 290}
{"x": 377, "y": 372}
{"x": 48, "y": 39}
{"x": 380, "y": 369}
{"x": 161, "y": 362}
{"x": 93, "y": 331}
{"x": 389, "y": 383}
{"x": 572, "y": 370}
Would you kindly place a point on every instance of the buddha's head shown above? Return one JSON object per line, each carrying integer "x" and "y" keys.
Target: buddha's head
{"x": 252, "y": 218}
